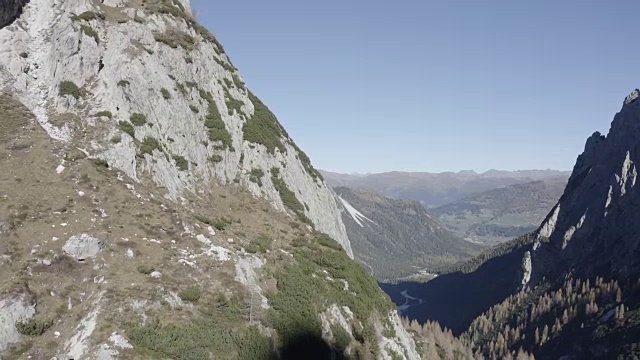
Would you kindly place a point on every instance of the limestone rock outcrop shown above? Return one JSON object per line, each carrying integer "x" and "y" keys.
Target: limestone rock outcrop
{"x": 137, "y": 128}
{"x": 526, "y": 269}
{"x": 151, "y": 92}
{"x": 82, "y": 247}
{"x": 594, "y": 225}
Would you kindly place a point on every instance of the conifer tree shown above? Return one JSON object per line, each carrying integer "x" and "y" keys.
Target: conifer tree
{"x": 545, "y": 335}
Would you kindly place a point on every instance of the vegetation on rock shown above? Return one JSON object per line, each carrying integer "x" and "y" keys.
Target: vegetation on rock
{"x": 288, "y": 197}
{"x": 256, "y": 176}
{"x": 148, "y": 145}
{"x": 175, "y": 39}
{"x": 213, "y": 122}
{"x": 138, "y": 119}
{"x": 263, "y": 128}
{"x": 261, "y": 245}
{"x": 126, "y": 127}
{"x": 88, "y": 16}
{"x": 303, "y": 293}
{"x": 233, "y": 103}
{"x": 33, "y": 327}
{"x": 90, "y": 32}
{"x": 191, "y": 294}
{"x": 181, "y": 162}
{"x": 104, "y": 113}
{"x": 69, "y": 88}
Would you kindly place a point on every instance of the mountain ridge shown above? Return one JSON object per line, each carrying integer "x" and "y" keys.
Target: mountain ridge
{"x": 164, "y": 211}
{"x": 435, "y": 189}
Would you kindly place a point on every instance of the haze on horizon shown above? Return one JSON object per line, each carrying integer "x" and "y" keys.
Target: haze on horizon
{"x": 434, "y": 86}
{"x": 355, "y": 173}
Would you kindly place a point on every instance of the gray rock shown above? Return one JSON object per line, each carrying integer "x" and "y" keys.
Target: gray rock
{"x": 526, "y": 269}
{"x": 13, "y": 310}
{"x": 82, "y": 247}
{"x": 69, "y": 55}
{"x": 594, "y": 226}
{"x": 632, "y": 96}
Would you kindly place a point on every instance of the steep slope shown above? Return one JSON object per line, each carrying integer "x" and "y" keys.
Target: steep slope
{"x": 161, "y": 99}
{"x": 152, "y": 207}
{"x": 397, "y": 238}
{"x": 501, "y": 214}
{"x": 594, "y": 225}
{"x": 436, "y": 189}
{"x": 572, "y": 289}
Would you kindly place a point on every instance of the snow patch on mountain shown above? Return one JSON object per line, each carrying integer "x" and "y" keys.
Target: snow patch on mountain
{"x": 357, "y": 216}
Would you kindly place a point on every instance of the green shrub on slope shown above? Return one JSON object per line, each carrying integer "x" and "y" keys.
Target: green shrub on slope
{"x": 304, "y": 292}
{"x": 263, "y": 127}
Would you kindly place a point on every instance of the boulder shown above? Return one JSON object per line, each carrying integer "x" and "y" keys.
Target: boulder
{"x": 83, "y": 246}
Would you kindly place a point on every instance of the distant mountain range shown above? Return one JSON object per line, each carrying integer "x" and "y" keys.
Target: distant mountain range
{"x": 487, "y": 208}
{"x": 437, "y": 189}
{"x": 504, "y": 213}
{"x": 398, "y": 238}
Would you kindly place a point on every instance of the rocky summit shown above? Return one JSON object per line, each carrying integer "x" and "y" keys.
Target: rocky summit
{"x": 151, "y": 206}
{"x": 592, "y": 227}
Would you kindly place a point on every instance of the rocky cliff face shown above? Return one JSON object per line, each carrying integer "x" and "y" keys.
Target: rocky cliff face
{"x": 594, "y": 225}
{"x": 152, "y": 207}
{"x": 144, "y": 87}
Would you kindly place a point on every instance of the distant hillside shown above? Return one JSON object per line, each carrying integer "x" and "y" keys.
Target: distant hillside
{"x": 501, "y": 214}
{"x": 437, "y": 189}
{"x": 396, "y": 238}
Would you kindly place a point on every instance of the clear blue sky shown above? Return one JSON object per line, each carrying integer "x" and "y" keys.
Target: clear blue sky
{"x": 376, "y": 85}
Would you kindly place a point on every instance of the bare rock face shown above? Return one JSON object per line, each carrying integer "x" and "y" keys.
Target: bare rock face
{"x": 141, "y": 128}
{"x": 9, "y": 10}
{"x": 526, "y": 269}
{"x": 594, "y": 226}
{"x": 12, "y": 311}
{"x": 82, "y": 247}
{"x": 160, "y": 100}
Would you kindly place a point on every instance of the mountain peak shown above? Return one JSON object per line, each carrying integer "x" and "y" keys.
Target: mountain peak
{"x": 467, "y": 172}
{"x": 594, "y": 208}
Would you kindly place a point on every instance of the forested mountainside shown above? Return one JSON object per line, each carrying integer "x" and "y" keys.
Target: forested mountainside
{"x": 499, "y": 215}
{"x": 463, "y": 291}
{"x": 151, "y": 206}
{"x": 571, "y": 289}
{"x": 398, "y": 238}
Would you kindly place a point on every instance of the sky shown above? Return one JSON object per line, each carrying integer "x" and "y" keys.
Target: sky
{"x": 417, "y": 85}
